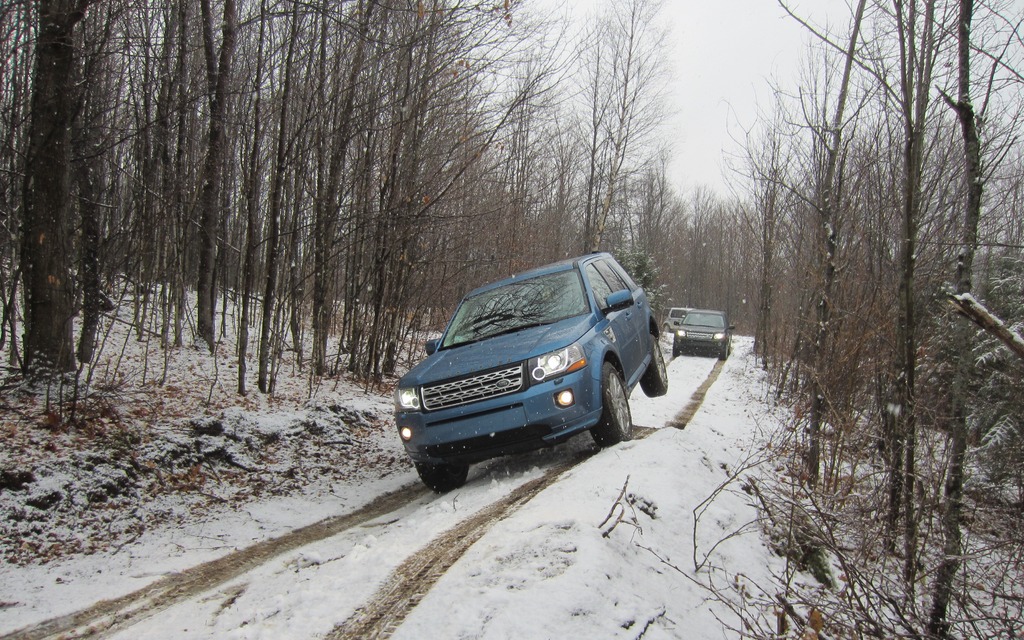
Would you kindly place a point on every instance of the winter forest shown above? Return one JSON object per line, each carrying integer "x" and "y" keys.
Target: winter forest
{"x": 311, "y": 186}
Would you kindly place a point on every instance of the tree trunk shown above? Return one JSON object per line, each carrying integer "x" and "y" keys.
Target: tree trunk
{"x": 218, "y": 76}
{"x": 952, "y": 516}
{"x": 827, "y": 204}
{"x": 251, "y": 210}
{"x": 917, "y": 53}
{"x": 266, "y": 347}
{"x": 46, "y": 234}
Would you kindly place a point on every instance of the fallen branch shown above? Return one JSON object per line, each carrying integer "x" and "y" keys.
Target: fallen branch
{"x": 617, "y": 514}
{"x": 968, "y": 306}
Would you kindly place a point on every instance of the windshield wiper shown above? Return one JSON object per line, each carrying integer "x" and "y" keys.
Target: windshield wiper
{"x": 496, "y": 334}
{"x": 514, "y": 329}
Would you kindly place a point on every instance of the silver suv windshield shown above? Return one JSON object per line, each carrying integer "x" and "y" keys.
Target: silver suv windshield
{"x": 517, "y": 305}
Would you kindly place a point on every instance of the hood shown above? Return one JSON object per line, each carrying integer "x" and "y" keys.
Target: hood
{"x": 702, "y": 327}
{"x": 492, "y": 353}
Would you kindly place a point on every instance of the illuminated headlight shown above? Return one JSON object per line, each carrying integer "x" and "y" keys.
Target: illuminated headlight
{"x": 557, "y": 363}
{"x": 407, "y": 399}
{"x": 681, "y": 333}
{"x": 719, "y": 336}
{"x": 405, "y": 433}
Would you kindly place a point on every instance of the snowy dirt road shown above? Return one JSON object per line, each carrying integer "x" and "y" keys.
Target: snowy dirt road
{"x": 368, "y": 568}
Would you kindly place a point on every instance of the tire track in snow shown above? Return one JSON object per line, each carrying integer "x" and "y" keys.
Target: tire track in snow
{"x": 681, "y": 419}
{"x": 108, "y": 616}
{"x": 410, "y": 582}
{"x": 413, "y": 578}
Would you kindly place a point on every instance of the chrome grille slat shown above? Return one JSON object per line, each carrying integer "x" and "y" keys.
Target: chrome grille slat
{"x": 700, "y": 335}
{"x": 466, "y": 390}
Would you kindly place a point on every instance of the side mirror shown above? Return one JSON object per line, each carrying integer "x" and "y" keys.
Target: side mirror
{"x": 622, "y": 299}
{"x": 732, "y": 327}
{"x": 431, "y": 346}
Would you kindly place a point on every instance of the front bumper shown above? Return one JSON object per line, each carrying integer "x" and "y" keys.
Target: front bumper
{"x": 523, "y": 421}
{"x": 699, "y": 345}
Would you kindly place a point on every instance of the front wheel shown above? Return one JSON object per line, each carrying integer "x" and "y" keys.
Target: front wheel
{"x": 654, "y": 382}
{"x": 442, "y": 478}
{"x": 616, "y": 423}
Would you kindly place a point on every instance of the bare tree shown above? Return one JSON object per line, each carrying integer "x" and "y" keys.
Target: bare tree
{"x": 625, "y": 72}
{"x": 952, "y": 516}
{"x": 826, "y": 202}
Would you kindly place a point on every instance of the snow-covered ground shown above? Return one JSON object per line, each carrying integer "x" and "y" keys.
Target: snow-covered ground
{"x": 548, "y": 570}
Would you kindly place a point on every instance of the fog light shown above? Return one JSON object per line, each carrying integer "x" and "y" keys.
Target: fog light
{"x": 406, "y": 433}
{"x": 565, "y": 398}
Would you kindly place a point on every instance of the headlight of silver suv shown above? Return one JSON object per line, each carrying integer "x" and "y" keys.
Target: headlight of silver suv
{"x": 557, "y": 363}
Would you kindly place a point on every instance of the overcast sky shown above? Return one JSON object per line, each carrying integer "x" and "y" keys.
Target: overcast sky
{"x": 723, "y": 55}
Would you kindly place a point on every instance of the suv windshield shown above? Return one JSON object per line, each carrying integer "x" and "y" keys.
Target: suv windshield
{"x": 712, "y": 320}
{"x": 517, "y": 305}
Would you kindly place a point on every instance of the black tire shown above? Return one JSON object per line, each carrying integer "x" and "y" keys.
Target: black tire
{"x": 442, "y": 478}
{"x": 676, "y": 350}
{"x": 616, "y": 423}
{"x": 724, "y": 353}
{"x": 654, "y": 382}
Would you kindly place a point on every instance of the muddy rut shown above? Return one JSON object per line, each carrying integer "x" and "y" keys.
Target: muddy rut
{"x": 383, "y": 612}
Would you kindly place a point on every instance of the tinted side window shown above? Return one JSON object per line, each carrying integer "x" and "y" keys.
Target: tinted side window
{"x": 612, "y": 277}
{"x": 628, "y": 279}
{"x": 597, "y": 281}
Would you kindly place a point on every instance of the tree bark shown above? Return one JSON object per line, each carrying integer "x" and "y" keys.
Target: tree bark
{"x": 827, "y": 204}
{"x": 46, "y": 260}
{"x": 277, "y": 184}
{"x": 952, "y": 515}
{"x": 218, "y": 76}
{"x": 917, "y": 55}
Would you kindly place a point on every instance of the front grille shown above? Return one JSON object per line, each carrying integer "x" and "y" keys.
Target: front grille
{"x": 466, "y": 390}
{"x": 700, "y": 335}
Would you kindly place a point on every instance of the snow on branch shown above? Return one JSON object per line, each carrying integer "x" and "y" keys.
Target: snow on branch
{"x": 967, "y": 305}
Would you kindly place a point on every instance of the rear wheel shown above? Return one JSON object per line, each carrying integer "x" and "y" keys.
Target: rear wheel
{"x": 442, "y": 478}
{"x": 616, "y": 423}
{"x": 654, "y": 382}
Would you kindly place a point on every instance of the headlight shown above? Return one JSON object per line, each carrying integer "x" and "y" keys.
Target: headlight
{"x": 407, "y": 399}
{"x": 681, "y": 333}
{"x": 557, "y": 363}
{"x": 719, "y": 336}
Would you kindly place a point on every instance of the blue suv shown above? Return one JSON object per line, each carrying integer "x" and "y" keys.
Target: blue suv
{"x": 527, "y": 362}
